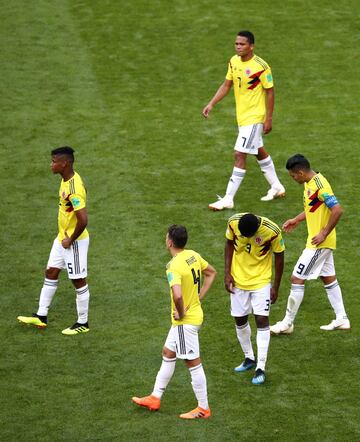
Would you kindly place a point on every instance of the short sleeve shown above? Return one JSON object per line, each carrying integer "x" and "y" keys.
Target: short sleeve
{"x": 327, "y": 195}
{"x": 173, "y": 277}
{"x": 229, "y": 234}
{"x": 203, "y": 263}
{"x": 77, "y": 202}
{"x": 266, "y": 79}
{"x": 278, "y": 244}
{"x": 229, "y": 74}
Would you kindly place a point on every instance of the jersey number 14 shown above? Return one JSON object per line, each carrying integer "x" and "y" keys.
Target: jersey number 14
{"x": 196, "y": 278}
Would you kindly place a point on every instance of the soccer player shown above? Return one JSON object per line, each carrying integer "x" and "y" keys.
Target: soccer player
{"x": 254, "y": 97}
{"x": 184, "y": 274}
{"x": 70, "y": 247}
{"x": 251, "y": 241}
{"x": 322, "y": 212}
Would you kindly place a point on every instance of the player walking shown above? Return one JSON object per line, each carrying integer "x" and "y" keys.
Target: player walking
{"x": 184, "y": 273}
{"x": 70, "y": 248}
{"x": 254, "y": 97}
{"x": 322, "y": 212}
{"x": 250, "y": 243}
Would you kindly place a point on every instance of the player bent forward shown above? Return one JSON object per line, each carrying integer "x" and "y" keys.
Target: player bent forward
{"x": 70, "y": 248}
{"x": 184, "y": 274}
{"x": 322, "y": 212}
{"x": 250, "y": 243}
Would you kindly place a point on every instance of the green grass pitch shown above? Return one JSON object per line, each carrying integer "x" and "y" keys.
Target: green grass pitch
{"x": 124, "y": 83}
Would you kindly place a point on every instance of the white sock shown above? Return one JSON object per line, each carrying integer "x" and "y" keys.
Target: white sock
{"x": 262, "y": 342}
{"x": 198, "y": 382}
{"x": 164, "y": 376}
{"x": 47, "y": 293}
{"x": 243, "y": 333}
{"x": 333, "y": 291}
{"x": 294, "y": 300}
{"x": 268, "y": 169}
{"x": 82, "y": 304}
{"x": 234, "y": 182}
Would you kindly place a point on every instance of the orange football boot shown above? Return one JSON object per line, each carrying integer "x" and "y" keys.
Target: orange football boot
{"x": 151, "y": 402}
{"x": 197, "y": 413}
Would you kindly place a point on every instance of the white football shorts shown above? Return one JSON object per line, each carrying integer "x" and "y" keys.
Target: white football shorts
{"x": 184, "y": 341}
{"x": 73, "y": 259}
{"x": 244, "y": 302}
{"x": 314, "y": 263}
{"x": 249, "y": 139}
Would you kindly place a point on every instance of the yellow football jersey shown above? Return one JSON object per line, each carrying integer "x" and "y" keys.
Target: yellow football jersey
{"x": 250, "y": 79}
{"x": 185, "y": 269}
{"x": 251, "y": 265}
{"x": 72, "y": 194}
{"x": 318, "y": 200}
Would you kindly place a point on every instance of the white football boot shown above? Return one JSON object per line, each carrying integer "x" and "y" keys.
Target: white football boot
{"x": 280, "y": 328}
{"x": 337, "y": 324}
{"x": 274, "y": 192}
{"x": 222, "y": 203}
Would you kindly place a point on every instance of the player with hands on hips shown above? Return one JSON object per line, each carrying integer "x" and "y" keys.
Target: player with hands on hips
{"x": 189, "y": 277}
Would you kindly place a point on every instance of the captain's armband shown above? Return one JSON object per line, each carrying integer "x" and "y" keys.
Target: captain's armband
{"x": 331, "y": 201}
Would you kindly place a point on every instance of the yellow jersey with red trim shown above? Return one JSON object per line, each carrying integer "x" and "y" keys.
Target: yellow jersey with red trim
{"x": 319, "y": 198}
{"x": 250, "y": 79}
{"x": 72, "y": 197}
{"x": 251, "y": 265}
{"x": 185, "y": 269}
